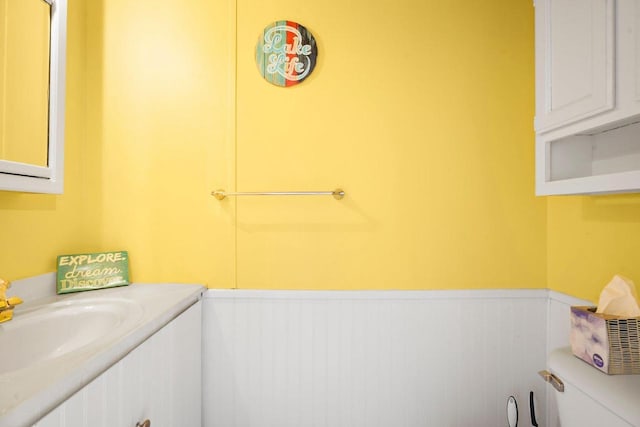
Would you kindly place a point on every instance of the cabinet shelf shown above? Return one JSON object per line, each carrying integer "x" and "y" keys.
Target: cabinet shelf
{"x": 594, "y": 161}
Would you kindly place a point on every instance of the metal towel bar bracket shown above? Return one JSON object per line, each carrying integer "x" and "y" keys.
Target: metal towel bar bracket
{"x": 337, "y": 194}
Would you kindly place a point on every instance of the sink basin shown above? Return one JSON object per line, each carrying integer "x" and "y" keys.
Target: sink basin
{"x": 63, "y": 327}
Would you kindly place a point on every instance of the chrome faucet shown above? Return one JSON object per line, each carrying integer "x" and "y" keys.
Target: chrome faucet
{"x": 7, "y": 304}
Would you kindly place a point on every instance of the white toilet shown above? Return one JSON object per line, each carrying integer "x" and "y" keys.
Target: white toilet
{"x": 590, "y": 397}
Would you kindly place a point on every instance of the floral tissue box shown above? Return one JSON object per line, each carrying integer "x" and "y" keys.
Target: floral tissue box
{"x": 608, "y": 343}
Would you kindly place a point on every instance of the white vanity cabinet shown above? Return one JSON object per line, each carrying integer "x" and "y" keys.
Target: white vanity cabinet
{"x": 587, "y": 96}
{"x": 159, "y": 381}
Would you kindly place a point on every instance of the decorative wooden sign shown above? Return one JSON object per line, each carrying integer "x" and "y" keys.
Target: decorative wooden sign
{"x": 286, "y": 53}
{"x": 85, "y": 272}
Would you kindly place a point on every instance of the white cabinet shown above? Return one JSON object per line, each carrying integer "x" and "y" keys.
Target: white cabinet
{"x": 159, "y": 381}
{"x": 587, "y": 96}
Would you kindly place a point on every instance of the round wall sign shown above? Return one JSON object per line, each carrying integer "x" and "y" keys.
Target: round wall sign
{"x": 286, "y": 53}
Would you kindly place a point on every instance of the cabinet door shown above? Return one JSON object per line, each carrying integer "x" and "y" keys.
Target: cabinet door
{"x": 574, "y": 61}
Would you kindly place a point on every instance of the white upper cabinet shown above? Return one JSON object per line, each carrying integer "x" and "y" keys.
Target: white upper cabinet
{"x": 587, "y": 96}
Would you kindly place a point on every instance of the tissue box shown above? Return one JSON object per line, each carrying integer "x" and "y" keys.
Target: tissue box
{"x": 608, "y": 343}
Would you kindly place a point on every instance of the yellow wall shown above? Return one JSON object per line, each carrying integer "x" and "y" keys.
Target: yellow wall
{"x": 420, "y": 110}
{"x": 35, "y": 228}
{"x": 590, "y": 239}
{"x": 166, "y": 135}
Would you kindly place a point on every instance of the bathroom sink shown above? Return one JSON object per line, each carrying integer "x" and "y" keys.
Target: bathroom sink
{"x": 57, "y": 344}
{"x": 63, "y": 328}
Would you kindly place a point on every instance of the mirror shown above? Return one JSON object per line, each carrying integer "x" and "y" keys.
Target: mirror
{"x": 32, "y": 89}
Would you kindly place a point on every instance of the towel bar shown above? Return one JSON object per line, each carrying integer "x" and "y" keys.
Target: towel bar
{"x": 337, "y": 194}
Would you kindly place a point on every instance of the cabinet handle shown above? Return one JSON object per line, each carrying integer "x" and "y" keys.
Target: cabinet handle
{"x": 145, "y": 423}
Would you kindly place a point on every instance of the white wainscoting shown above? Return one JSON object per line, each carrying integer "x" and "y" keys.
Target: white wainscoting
{"x": 372, "y": 358}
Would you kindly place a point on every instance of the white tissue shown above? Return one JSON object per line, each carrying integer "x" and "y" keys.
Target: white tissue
{"x": 619, "y": 298}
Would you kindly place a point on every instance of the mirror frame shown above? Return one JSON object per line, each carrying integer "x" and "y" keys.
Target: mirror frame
{"x": 16, "y": 176}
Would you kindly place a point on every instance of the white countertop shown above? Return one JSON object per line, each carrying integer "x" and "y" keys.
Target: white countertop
{"x": 26, "y": 395}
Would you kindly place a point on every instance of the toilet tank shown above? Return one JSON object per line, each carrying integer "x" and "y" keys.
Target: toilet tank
{"x": 593, "y": 398}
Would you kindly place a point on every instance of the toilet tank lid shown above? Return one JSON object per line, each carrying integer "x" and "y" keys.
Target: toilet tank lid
{"x": 618, "y": 393}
